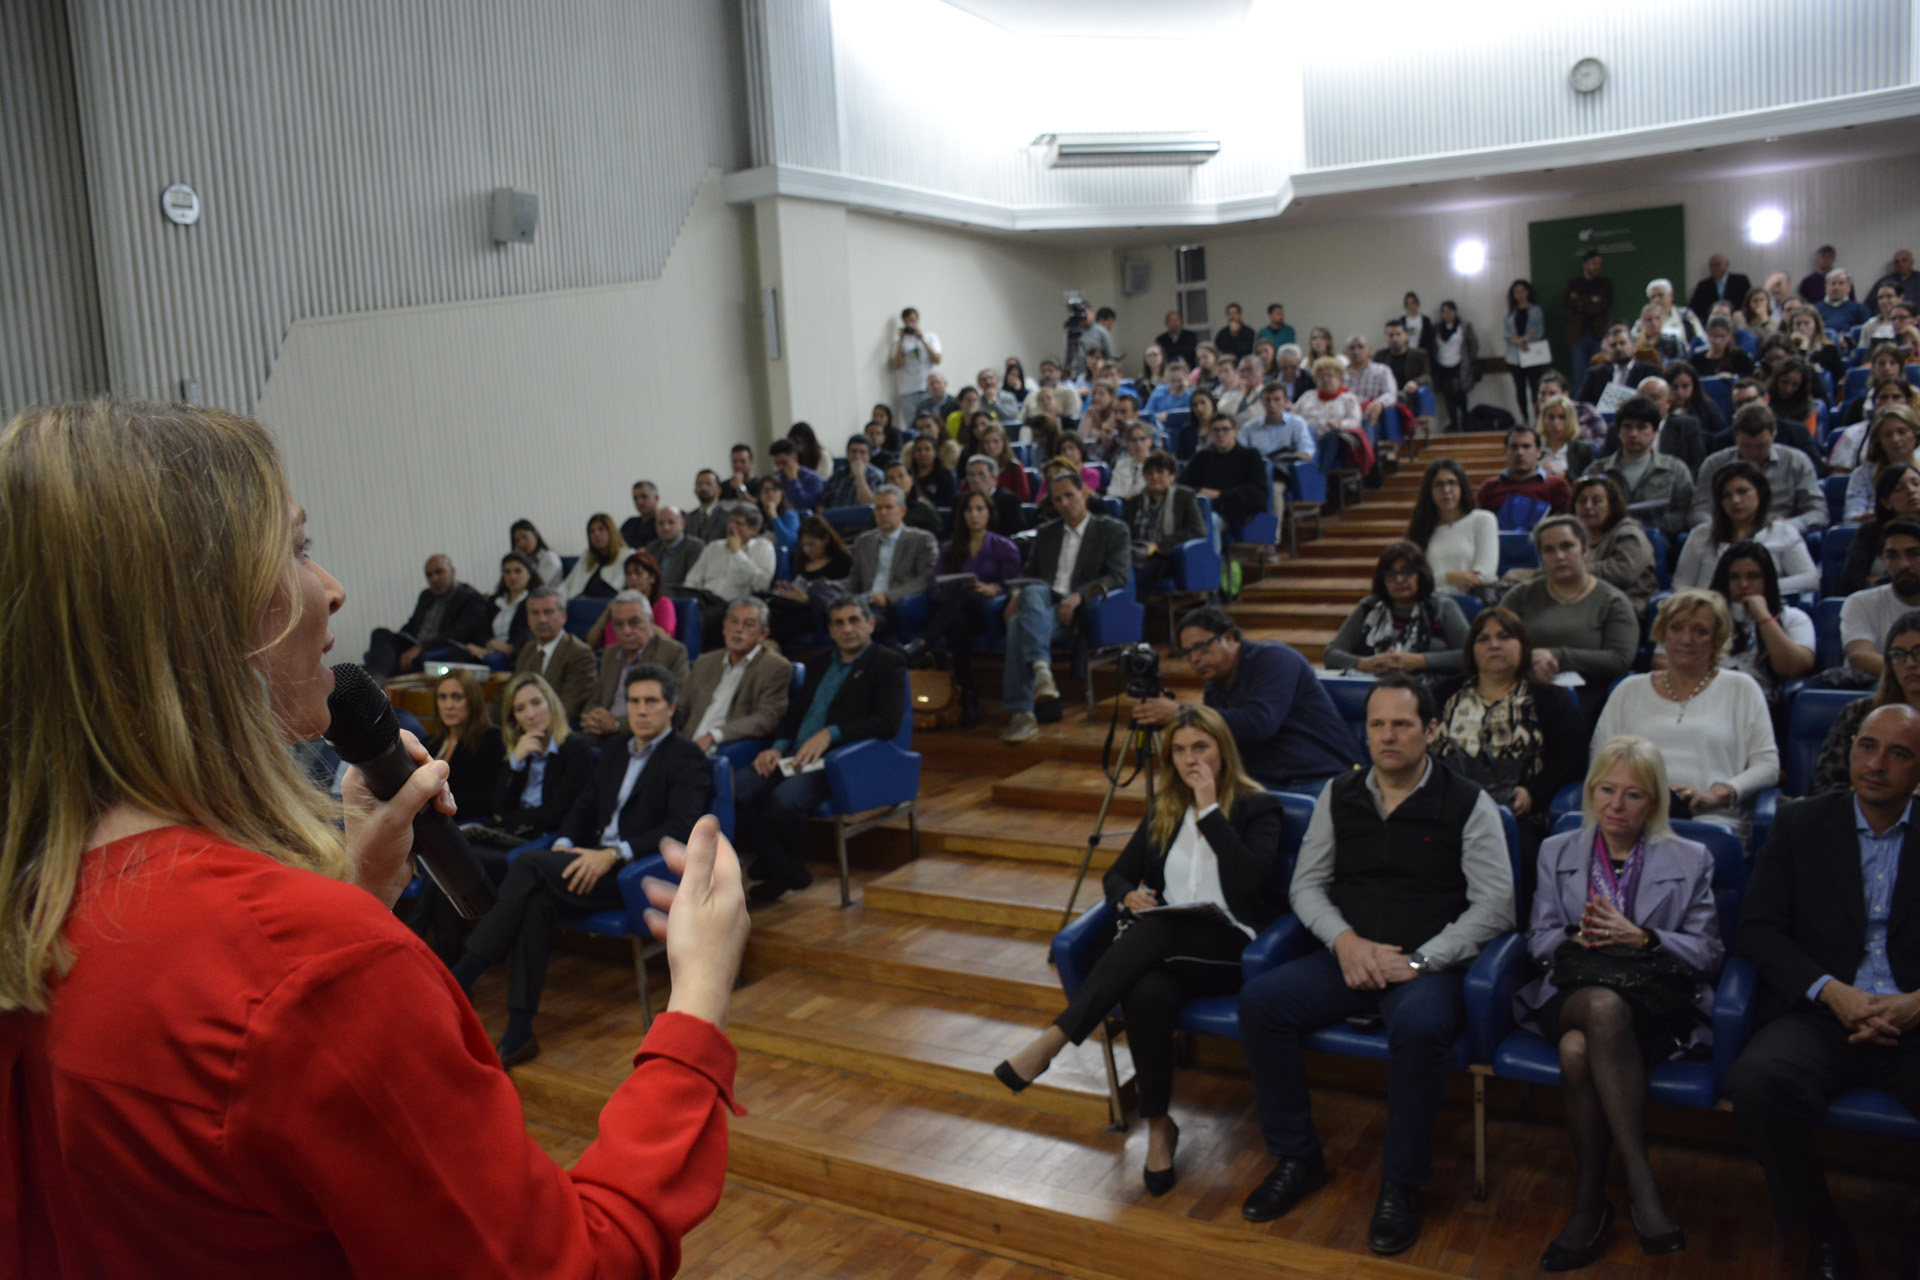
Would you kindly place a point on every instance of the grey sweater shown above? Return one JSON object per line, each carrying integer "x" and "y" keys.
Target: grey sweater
{"x": 1597, "y": 636}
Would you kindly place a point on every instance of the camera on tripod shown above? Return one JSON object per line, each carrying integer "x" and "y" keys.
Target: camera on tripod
{"x": 1139, "y": 669}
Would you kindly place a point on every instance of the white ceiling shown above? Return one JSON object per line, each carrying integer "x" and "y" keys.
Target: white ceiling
{"x": 1143, "y": 19}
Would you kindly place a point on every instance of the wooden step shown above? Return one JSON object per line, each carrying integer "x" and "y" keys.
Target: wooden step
{"x": 1331, "y": 588}
{"x": 918, "y": 1038}
{"x": 1265, "y": 611}
{"x": 1063, "y": 787}
{"x": 1024, "y": 835}
{"x": 1022, "y": 895}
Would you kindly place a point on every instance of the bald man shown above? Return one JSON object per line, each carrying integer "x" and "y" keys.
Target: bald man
{"x": 447, "y": 613}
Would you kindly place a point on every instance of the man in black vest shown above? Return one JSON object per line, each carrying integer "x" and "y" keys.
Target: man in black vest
{"x": 1404, "y": 876}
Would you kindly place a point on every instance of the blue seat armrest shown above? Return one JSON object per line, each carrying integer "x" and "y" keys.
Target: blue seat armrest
{"x": 1283, "y": 940}
{"x": 912, "y": 613}
{"x": 1732, "y": 1017}
{"x": 872, "y": 775}
{"x": 1765, "y": 806}
{"x": 740, "y": 753}
{"x": 1195, "y": 566}
{"x": 544, "y": 842}
{"x": 1567, "y": 799}
{"x": 1073, "y": 944}
{"x": 1498, "y": 971}
{"x": 631, "y": 892}
{"x": 1115, "y": 618}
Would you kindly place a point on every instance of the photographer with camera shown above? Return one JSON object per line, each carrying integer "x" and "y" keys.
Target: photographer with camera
{"x": 914, "y": 354}
{"x": 1289, "y": 734}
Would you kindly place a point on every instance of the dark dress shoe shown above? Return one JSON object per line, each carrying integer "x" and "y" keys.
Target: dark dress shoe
{"x": 1291, "y": 1181}
{"x": 1007, "y": 1076}
{"x": 779, "y": 876}
{"x": 528, "y": 1050}
{"x": 1831, "y": 1255}
{"x": 915, "y": 652}
{"x": 1160, "y": 1181}
{"x": 1396, "y": 1222}
{"x": 1561, "y": 1257}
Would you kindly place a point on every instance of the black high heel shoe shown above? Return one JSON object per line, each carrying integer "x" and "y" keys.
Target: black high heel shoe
{"x": 1160, "y": 1181}
{"x": 1007, "y": 1076}
{"x": 1560, "y": 1257}
{"x": 1674, "y": 1241}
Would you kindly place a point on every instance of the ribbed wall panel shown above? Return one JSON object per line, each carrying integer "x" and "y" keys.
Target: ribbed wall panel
{"x": 51, "y": 347}
{"x": 1665, "y": 63}
{"x": 345, "y": 151}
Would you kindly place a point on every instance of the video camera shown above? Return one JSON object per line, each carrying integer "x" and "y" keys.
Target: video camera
{"x": 1139, "y": 668}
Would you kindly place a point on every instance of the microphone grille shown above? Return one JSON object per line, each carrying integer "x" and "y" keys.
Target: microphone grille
{"x": 363, "y": 723}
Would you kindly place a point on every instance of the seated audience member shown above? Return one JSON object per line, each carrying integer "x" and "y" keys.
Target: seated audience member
{"x": 1228, "y": 396}
{"x": 1596, "y": 894}
{"x": 737, "y": 691}
{"x": 982, "y": 477}
{"x": 1720, "y": 285}
{"x": 1518, "y": 738}
{"x": 1886, "y": 377}
{"x": 1008, "y": 473}
{"x": 1792, "y": 391}
{"x": 931, "y": 480}
{"x": 528, "y": 542}
{"x": 1276, "y": 331}
{"x": 1072, "y": 452}
{"x": 1680, "y": 434}
{"x": 857, "y": 693}
{"x": 1772, "y": 642}
{"x": 1410, "y": 366}
{"x": 1202, "y": 408}
{"x": 1618, "y": 549}
{"x": 598, "y": 571}
{"x": 996, "y": 399}
{"x": 547, "y": 766}
{"x": 813, "y": 456}
{"x": 1160, "y": 518}
{"x": 1129, "y": 468}
{"x": 708, "y": 519}
{"x": 1370, "y": 381}
{"x": 554, "y": 654}
{"x": 1522, "y": 494}
{"x": 1401, "y": 625}
{"x": 1794, "y": 435}
{"x": 991, "y": 559}
{"x": 1287, "y": 371}
{"x": 1562, "y": 451}
{"x": 890, "y": 560}
{"x": 1793, "y": 487}
{"x": 1319, "y": 347}
{"x": 1890, "y": 442}
{"x": 1407, "y": 968}
{"x": 1329, "y": 407}
{"x": 1228, "y": 474}
{"x": 978, "y": 423}
{"x": 637, "y": 643}
{"x": 1867, "y": 615}
{"x": 1577, "y": 622}
{"x": 738, "y": 486}
{"x": 883, "y": 438}
{"x": 1461, "y": 542}
{"x": 1896, "y": 497}
{"x": 1850, "y": 443}
{"x": 1289, "y": 733}
{"x": 1593, "y": 427}
{"x": 1077, "y": 558}
{"x": 476, "y": 755}
{"x": 674, "y": 551}
{"x": 740, "y": 565}
{"x": 853, "y": 485}
{"x": 1758, "y": 316}
{"x": 1172, "y": 395}
{"x": 1886, "y": 296}
{"x": 1653, "y": 340}
{"x": 1617, "y": 366}
{"x": 448, "y": 613}
{"x": 638, "y": 529}
{"x": 1044, "y": 433}
{"x": 1066, "y": 397}
{"x": 510, "y": 630}
{"x": 1212, "y": 837}
{"x": 800, "y": 485}
{"x": 966, "y": 403}
{"x": 1815, "y": 349}
{"x": 654, "y": 790}
{"x": 1822, "y": 925}
{"x": 819, "y": 563}
{"x": 643, "y": 575}
{"x": 1687, "y": 396}
{"x": 1899, "y": 683}
{"x": 1680, "y": 325}
{"x": 1741, "y": 500}
{"x": 1102, "y": 409}
{"x": 921, "y": 513}
{"x": 1722, "y": 354}
{"x": 1280, "y": 436}
{"x": 779, "y": 523}
{"x": 1235, "y": 338}
{"x": 1711, "y": 724}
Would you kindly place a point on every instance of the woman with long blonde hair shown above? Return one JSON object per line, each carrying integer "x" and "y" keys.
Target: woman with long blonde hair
{"x": 222, "y": 1054}
{"x": 598, "y": 571}
{"x": 1211, "y": 844}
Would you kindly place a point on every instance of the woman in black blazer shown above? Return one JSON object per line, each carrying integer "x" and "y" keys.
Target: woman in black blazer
{"x": 537, "y": 741}
{"x": 1211, "y": 843}
{"x": 476, "y": 756}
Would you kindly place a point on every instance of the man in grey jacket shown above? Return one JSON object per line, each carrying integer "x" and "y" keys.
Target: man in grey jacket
{"x": 674, "y": 549}
{"x": 1643, "y": 474}
{"x": 891, "y": 560}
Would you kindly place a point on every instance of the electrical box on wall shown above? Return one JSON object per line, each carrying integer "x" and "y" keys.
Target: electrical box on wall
{"x": 515, "y": 214}
{"x": 1133, "y": 278}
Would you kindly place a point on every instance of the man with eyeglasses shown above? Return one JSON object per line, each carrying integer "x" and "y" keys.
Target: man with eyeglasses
{"x": 1289, "y": 733}
{"x": 1228, "y": 474}
{"x": 1866, "y": 616}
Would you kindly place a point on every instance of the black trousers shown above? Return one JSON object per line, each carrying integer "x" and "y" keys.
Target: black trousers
{"x": 773, "y": 812}
{"x": 383, "y": 653}
{"x": 1526, "y": 388}
{"x": 959, "y": 620}
{"x": 532, "y": 903}
{"x": 433, "y": 918}
{"x": 1795, "y": 1066}
{"x": 1153, "y": 968}
{"x": 1452, "y": 390}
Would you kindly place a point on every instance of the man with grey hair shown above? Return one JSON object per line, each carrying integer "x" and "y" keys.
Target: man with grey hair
{"x": 637, "y": 642}
{"x": 562, "y": 660}
{"x": 996, "y": 399}
{"x": 1371, "y": 382}
{"x": 739, "y": 691}
{"x": 1839, "y": 311}
{"x": 890, "y": 560}
{"x": 725, "y": 571}
{"x": 638, "y": 530}
{"x": 983, "y": 477}
{"x": 674, "y": 550}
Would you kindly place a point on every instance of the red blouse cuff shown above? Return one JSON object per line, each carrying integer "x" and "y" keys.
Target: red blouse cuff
{"x": 698, "y": 1045}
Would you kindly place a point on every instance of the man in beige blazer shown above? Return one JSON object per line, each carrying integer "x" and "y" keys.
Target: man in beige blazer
{"x": 739, "y": 691}
{"x": 637, "y": 642}
{"x": 564, "y": 660}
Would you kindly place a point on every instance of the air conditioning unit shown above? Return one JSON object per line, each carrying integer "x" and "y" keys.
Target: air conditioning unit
{"x": 1113, "y": 150}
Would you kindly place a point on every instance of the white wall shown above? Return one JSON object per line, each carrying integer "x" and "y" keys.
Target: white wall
{"x": 434, "y": 428}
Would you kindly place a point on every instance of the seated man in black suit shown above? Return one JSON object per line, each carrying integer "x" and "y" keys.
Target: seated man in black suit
{"x": 1830, "y": 923}
{"x": 861, "y": 693}
{"x": 1160, "y": 518}
{"x": 653, "y": 787}
{"x": 448, "y": 612}
{"x": 983, "y": 476}
{"x": 1616, "y": 365}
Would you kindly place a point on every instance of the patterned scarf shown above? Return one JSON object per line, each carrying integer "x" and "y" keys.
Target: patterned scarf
{"x": 1617, "y": 888}
{"x": 1414, "y": 634}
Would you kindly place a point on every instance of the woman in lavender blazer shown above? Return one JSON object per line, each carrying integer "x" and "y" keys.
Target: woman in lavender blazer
{"x": 1623, "y": 880}
{"x": 961, "y": 612}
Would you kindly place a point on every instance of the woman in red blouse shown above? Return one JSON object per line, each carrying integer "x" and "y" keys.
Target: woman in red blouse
{"x": 220, "y": 1053}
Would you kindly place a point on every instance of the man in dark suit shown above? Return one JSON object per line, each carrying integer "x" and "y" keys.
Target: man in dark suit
{"x": 1618, "y": 366}
{"x": 983, "y": 477}
{"x": 860, "y": 694}
{"x": 1079, "y": 557}
{"x": 448, "y": 612}
{"x": 675, "y": 550}
{"x": 637, "y": 643}
{"x": 1160, "y": 517}
{"x": 653, "y": 788}
{"x": 1719, "y": 286}
{"x": 1179, "y": 342}
{"x": 891, "y": 560}
{"x": 1228, "y": 474}
{"x": 639, "y": 529}
{"x": 1832, "y": 923}
{"x": 562, "y": 659}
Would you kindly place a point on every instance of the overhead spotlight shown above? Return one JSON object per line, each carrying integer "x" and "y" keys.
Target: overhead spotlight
{"x": 1469, "y": 257}
{"x": 1765, "y": 226}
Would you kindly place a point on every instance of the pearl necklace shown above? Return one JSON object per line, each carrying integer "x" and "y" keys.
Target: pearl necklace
{"x": 1667, "y": 678}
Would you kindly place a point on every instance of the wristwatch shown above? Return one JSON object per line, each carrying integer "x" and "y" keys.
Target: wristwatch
{"x": 1420, "y": 965}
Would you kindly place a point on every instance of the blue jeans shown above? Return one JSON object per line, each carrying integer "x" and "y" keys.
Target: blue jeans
{"x": 1422, "y": 1017}
{"x": 1030, "y": 628}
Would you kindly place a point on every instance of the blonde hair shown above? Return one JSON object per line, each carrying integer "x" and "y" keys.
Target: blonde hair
{"x": 1563, "y": 406}
{"x": 1644, "y": 764}
{"x": 468, "y": 735}
{"x": 616, "y": 545}
{"x": 556, "y": 713}
{"x": 1328, "y": 362}
{"x": 1176, "y": 797}
{"x": 1684, "y": 604}
{"x": 143, "y": 544}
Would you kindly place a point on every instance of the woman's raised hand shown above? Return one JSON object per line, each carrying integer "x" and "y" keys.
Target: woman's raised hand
{"x": 704, "y": 921}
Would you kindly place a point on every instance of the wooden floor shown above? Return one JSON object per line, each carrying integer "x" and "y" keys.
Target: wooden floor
{"x": 877, "y": 1142}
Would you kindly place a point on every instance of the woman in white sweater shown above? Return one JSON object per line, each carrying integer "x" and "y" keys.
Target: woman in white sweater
{"x": 1742, "y": 499}
{"x": 599, "y": 571}
{"x": 1711, "y": 724}
{"x": 1462, "y": 544}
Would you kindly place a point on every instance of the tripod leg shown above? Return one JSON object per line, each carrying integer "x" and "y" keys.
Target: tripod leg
{"x": 1093, "y": 842}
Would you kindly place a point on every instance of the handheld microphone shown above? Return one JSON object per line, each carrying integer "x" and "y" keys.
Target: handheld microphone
{"x": 366, "y": 734}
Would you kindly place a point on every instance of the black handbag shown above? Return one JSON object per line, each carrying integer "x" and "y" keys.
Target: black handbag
{"x": 1656, "y": 985}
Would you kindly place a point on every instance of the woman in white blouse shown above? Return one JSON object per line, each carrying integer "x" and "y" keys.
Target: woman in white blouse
{"x": 598, "y": 571}
{"x": 1130, "y": 468}
{"x": 1462, "y": 544}
{"x": 1742, "y": 500}
{"x": 1711, "y": 723}
{"x": 1211, "y": 842}
{"x": 528, "y": 542}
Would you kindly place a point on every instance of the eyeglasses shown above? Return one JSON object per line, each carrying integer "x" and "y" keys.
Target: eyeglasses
{"x": 1900, "y": 657}
{"x": 1399, "y": 574}
{"x": 1188, "y": 655}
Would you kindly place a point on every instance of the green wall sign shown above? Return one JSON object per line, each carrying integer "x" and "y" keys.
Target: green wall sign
{"x": 1637, "y": 245}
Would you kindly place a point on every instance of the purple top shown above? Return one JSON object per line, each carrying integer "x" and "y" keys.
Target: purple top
{"x": 996, "y": 561}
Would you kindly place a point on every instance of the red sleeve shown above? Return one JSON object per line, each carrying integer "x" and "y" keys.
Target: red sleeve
{"x": 369, "y": 1104}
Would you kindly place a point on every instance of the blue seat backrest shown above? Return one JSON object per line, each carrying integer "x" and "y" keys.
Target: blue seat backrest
{"x": 566, "y": 567}
{"x": 1114, "y": 507}
{"x": 1206, "y": 505}
{"x": 782, "y": 563}
{"x": 1913, "y": 374}
{"x": 846, "y": 518}
{"x": 1349, "y": 694}
{"x": 721, "y": 806}
{"x": 1857, "y": 380}
{"x": 797, "y": 684}
{"x": 1517, "y": 550}
{"x": 1661, "y": 572}
{"x": 1835, "y": 489}
{"x": 1809, "y": 720}
{"x": 1729, "y": 856}
{"x": 904, "y": 738}
{"x": 1826, "y": 633}
{"x": 1309, "y": 481}
{"x": 686, "y": 625}
{"x": 1520, "y": 513}
{"x": 1748, "y": 342}
{"x": 1295, "y": 812}
{"x": 1834, "y": 545}
{"x": 1469, "y": 605}
{"x": 582, "y": 612}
